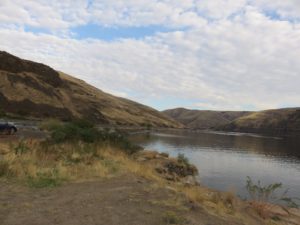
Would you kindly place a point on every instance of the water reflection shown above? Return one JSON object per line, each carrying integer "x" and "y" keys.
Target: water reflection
{"x": 224, "y": 161}
{"x": 260, "y": 145}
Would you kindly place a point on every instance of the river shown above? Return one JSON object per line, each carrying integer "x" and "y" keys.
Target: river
{"x": 224, "y": 160}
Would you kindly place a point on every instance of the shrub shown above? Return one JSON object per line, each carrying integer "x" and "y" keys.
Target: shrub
{"x": 119, "y": 140}
{"x": 50, "y": 124}
{"x": 85, "y": 131}
{"x": 267, "y": 193}
{"x": 261, "y": 195}
{"x": 74, "y": 131}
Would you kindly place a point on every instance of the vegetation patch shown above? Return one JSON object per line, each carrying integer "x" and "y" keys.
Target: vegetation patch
{"x": 21, "y": 148}
{"x": 171, "y": 217}
{"x": 265, "y": 198}
{"x": 84, "y": 131}
{"x": 48, "y": 179}
{"x": 181, "y": 158}
{"x": 4, "y": 168}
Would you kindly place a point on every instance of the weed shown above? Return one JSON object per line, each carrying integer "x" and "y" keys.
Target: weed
{"x": 21, "y": 148}
{"x": 48, "y": 179}
{"x": 263, "y": 198}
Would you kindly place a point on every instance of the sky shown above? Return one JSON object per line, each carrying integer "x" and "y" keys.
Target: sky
{"x": 198, "y": 54}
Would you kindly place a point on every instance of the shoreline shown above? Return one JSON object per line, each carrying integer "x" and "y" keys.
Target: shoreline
{"x": 167, "y": 173}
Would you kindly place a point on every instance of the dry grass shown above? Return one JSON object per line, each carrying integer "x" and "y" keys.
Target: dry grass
{"x": 69, "y": 162}
{"x": 220, "y": 203}
{"x": 50, "y": 124}
{"x": 38, "y": 160}
{"x": 49, "y": 166}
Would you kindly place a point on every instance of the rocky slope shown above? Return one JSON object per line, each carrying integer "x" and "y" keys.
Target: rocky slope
{"x": 203, "y": 119}
{"x": 34, "y": 90}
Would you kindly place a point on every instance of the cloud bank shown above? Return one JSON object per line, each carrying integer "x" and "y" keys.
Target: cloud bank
{"x": 233, "y": 54}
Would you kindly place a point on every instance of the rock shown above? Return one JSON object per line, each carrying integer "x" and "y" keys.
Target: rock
{"x": 190, "y": 181}
{"x": 160, "y": 170}
{"x": 141, "y": 159}
{"x": 181, "y": 169}
{"x": 169, "y": 168}
{"x": 164, "y": 154}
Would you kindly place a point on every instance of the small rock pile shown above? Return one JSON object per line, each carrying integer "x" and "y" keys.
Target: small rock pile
{"x": 169, "y": 168}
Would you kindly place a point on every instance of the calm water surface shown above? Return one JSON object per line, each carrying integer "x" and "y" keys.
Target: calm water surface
{"x": 225, "y": 160}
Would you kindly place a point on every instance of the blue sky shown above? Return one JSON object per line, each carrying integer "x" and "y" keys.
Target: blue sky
{"x": 113, "y": 33}
{"x": 208, "y": 54}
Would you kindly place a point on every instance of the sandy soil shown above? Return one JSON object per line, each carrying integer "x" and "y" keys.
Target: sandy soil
{"x": 117, "y": 201}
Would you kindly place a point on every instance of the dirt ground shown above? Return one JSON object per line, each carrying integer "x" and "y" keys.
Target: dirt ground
{"x": 124, "y": 200}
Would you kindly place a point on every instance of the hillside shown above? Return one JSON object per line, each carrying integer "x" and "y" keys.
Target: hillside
{"x": 278, "y": 121}
{"x": 203, "y": 119}
{"x": 34, "y": 90}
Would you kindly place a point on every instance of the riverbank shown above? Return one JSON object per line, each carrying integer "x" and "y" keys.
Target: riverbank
{"x": 86, "y": 183}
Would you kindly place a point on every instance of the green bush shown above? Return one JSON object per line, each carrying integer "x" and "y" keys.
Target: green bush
{"x": 85, "y": 131}
{"x": 73, "y": 131}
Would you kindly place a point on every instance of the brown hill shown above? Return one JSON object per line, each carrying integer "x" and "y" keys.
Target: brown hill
{"x": 278, "y": 121}
{"x": 203, "y": 119}
{"x": 35, "y": 90}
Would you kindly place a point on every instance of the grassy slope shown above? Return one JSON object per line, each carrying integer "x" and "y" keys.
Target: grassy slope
{"x": 276, "y": 120}
{"x": 202, "y": 119}
{"x": 35, "y": 90}
{"x": 279, "y": 121}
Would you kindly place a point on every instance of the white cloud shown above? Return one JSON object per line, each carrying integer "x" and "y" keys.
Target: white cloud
{"x": 242, "y": 58}
{"x": 286, "y": 9}
{"x": 217, "y": 9}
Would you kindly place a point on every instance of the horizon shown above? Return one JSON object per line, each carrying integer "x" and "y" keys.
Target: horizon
{"x": 209, "y": 55}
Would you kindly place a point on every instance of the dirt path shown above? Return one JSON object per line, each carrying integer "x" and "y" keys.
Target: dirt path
{"x": 118, "y": 201}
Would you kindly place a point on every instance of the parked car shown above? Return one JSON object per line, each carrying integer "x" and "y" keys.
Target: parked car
{"x": 8, "y": 128}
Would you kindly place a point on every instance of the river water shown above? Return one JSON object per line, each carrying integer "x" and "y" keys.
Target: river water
{"x": 224, "y": 160}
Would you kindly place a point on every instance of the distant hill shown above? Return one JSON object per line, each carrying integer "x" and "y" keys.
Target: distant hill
{"x": 31, "y": 89}
{"x": 278, "y": 121}
{"x": 275, "y": 121}
{"x": 203, "y": 119}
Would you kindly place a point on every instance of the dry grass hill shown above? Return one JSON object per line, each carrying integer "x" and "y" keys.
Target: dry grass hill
{"x": 278, "y": 121}
{"x": 34, "y": 90}
{"x": 203, "y": 119}
{"x": 275, "y": 121}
